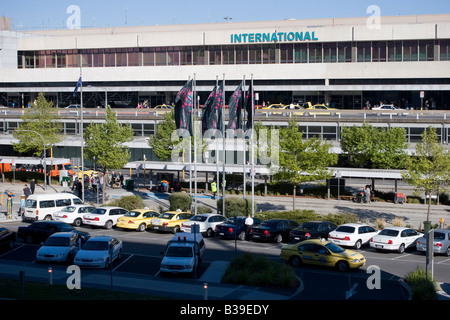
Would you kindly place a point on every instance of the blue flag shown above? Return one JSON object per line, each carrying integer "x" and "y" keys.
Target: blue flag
{"x": 76, "y": 87}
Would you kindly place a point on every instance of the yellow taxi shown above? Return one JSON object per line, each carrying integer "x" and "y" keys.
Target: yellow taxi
{"x": 274, "y": 106}
{"x": 170, "y": 221}
{"x": 138, "y": 219}
{"x": 87, "y": 172}
{"x": 323, "y": 253}
{"x": 320, "y": 109}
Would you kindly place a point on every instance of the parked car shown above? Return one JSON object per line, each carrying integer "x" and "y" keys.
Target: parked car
{"x": 73, "y": 214}
{"x": 138, "y": 219}
{"x": 170, "y": 221}
{"x": 273, "y": 229}
{"x": 105, "y": 217}
{"x": 441, "y": 242}
{"x": 207, "y": 223}
{"x": 312, "y": 230}
{"x": 352, "y": 235}
{"x": 323, "y": 253}
{"x": 60, "y": 247}
{"x": 7, "y": 238}
{"x": 395, "y": 238}
{"x": 234, "y": 227}
{"x": 99, "y": 252}
{"x": 39, "y": 231}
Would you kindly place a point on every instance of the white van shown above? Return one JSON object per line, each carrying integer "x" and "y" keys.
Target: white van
{"x": 42, "y": 206}
{"x": 183, "y": 253}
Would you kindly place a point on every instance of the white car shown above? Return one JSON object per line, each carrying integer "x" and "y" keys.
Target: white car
{"x": 105, "y": 217}
{"x": 60, "y": 247}
{"x": 207, "y": 223}
{"x": 395, "y": 238}
{"x": 73, "y": 214}
{"x": 352, "y": 235}
{"x": 387, "y": 109}
{"x": 99, "y": 252}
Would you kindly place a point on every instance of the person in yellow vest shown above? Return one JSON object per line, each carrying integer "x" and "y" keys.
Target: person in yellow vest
{"x": 213, "y": 189}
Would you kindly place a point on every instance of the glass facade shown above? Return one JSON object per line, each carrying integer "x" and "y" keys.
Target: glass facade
{"x": 313, "y": 52}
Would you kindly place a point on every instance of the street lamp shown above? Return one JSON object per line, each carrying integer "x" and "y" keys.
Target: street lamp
{"x": 45, "y": 154}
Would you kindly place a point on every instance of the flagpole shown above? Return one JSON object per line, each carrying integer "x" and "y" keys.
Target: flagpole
{"x": 82, "y": 132}
{"x": 194, "y": 97}
{"x": 253, "y": 156}
{"x": 245, "y": 140}
{"x": 223, "y": 146}
{"x": 217, "y": 151}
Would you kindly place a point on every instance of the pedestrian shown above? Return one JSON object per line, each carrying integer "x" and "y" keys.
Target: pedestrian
{"x": 213, "y": 189}
{"x": 32, "y": 185}
{"x": 121, "y": 179}
{"x": 367, "y": 194}
{"x": 79, "y": 188}
{"x": 26, "y": 191}
{"x": 248, "y": 226}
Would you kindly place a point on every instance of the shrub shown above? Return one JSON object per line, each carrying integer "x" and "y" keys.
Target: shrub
{"x": 421, "y": 289}
{"x": 258, "y": 270}
{"x": 203, "y": 209}
{"x": 235, "y": 206}
{"x": 301, "y": 216}
{"x": 180, "y": 200}
{"x": 128, "y": 202}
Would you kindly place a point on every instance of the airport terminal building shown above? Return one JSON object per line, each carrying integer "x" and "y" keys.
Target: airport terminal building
{"x": 342, "y": 62}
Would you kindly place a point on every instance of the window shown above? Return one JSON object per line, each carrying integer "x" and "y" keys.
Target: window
{"x": 121, "y": 57}
{"x": 29, "y": 59}
{"x": 63, "y": 203}
{"x": 72, "y": 58}
{"x": 364, "y": 53}
{"x": 61, "y": 58}
{"x": 228, "y": 54}
{"x": 110, "y": 58}
{"x": 410, "y": 50}
{"x": 98, "y": 58}
{"x": 160, "y": 56}
{"x": 199, "y": 56}
{"x": 173, "y": 56}
{"x": 315, "y": 53}
{"x": 47, "y": 204}
{"x": 426, "y": 50}
{"x": 133, "y": 57}
{"x": 148, "y": 57}
{"x": 186, "y": 56}
{"x": 379, "y": 51}
{"x": 241, "y": 54}
{"x": 215, "y": 55}
{"x": 444, "y": 50}
{"x": 286, "y": 53}
{"x": 394, "y": 51}
{"x": 330, "y": 52}
{"x": 301, "y": 53}
{"x": 254, "y": 54}
{"x": 86, "y": 58}
{"x": 268, "y": 54}
{"x": 344, "y": 52}
{"x": 40, "y": 59}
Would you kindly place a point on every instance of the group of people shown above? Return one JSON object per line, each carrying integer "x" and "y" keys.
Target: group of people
{"x": 27, "y": 191}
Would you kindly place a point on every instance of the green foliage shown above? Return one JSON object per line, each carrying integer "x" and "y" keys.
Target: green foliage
{"x": 421, "y": 287}
{"x": 258, "y": 270}
{"x": 161, "y": 142}
{"x": 381, "y": 148}
{"x": 180, "y": 200}
{"x": 235, "y": 206}
{"x": 302, "y": 160}
{"x": 128, "y": 202}
{"x": 429, "y": 170}
{"x": 105, "y": 141}
{"x": 301, "y": 216}
{"x": 42, "y": 118}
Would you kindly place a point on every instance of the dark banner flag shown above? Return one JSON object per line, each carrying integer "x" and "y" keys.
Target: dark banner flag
{"x": 212, "y": 110}
{"x": 207, "y": 110}
{"x": 235, "y": 106}
{"x": 249, "y": 107}
{"x": 79, "y": 84}
{"x": 183, "y": 107}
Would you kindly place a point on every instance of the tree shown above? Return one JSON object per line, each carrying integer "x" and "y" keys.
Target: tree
{"x": 42, "y": 118}
{"x": 367, "y": 146}
{"x": 429, "y": 169}
{"x": 105, "y": 142}
{"x": 161, "y": 142}
{"x": 302, "y": 160}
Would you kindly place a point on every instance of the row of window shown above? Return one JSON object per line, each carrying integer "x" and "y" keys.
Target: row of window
{"x": 313, "y": 52}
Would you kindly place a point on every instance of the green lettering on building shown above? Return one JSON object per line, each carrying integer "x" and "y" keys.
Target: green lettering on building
{"x": 273, "y": 37}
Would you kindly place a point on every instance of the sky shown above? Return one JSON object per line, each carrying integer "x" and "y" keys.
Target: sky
{"x": 51, "y": 14}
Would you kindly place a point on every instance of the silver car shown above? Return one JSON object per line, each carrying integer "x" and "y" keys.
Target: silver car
{"x": 441, "y": 243}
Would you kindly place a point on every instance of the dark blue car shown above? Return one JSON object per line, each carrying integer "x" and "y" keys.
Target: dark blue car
{"x": 234, "y": 227}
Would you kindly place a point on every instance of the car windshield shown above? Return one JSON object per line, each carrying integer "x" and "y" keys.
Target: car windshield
{"x": 183, "y": 252}
{"x": 345, "y": 229}
{"x": 96, "y": 245}
{"x": 334, "y": 248}
{"x": 439, "y": 236}
{"x": 57, "y": 242}
{"x": 232, "y": 221}
{"x": 198, "y": 218}
{"x": 98, "y": 211}
{"x": 68, "y": 209}
{"x": 388, "y": 232}
{"x": 269, "y": 223}
{"x": 132, "y": 214}
{"x": 167, "y": 215}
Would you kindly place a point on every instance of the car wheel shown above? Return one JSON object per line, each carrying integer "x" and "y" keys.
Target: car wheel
{"x": 241, "y": 236}
{"x": 447, "y": 252}
{"x": 107, "y": 264}
{"x": 176, "y": 229}
{"x": 77, "y": 222}
{"x": 108, "y": 224}
{"x": 358, "y": 244}
{"x": 48, "y": 218}
{"x": 278, "y": 238}
{"x": 295, "y": 261}
{"x": 141, "y": 227}
{"x": 401, "y": 248}
{"x": 209, "y": 233}
{"x": 342, "y": 266}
